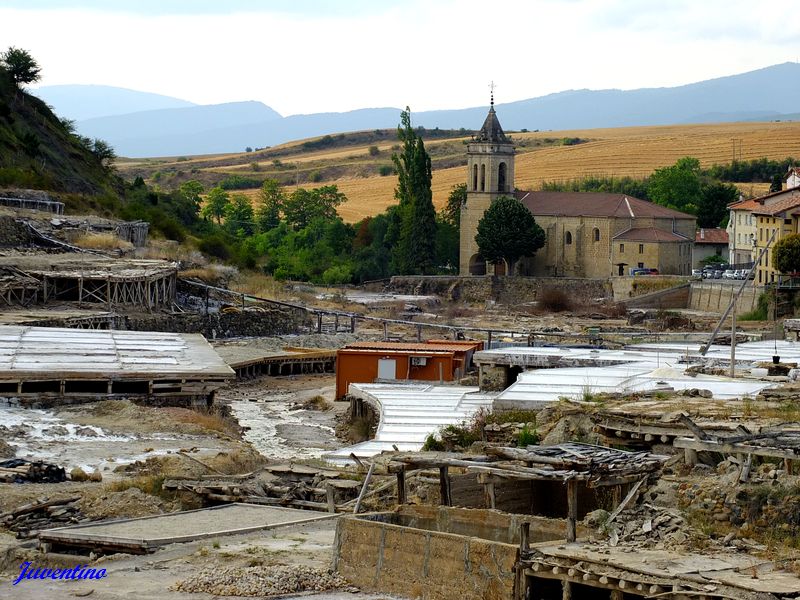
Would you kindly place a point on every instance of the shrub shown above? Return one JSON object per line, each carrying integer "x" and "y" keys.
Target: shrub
{"x": 337, "y": 274}
{"x": 374, "y": 151}
{"x": 102, "y": 241}
{"x": 554, "y": 300}
{"x": 237, "y": 182}
{"x": 216, "y": 246}
{"x": 527, "y": 437}
{"x": 432, "y": 444}
{"x": 385, "y": 170}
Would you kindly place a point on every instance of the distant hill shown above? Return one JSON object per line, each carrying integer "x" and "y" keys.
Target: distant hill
{"x": 80, "y": 102}
{"x": 192, "y": 130}
{"x": 772, "y": 92}
{"x": 38, "y": 150}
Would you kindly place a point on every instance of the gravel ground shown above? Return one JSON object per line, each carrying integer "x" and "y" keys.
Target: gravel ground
{"x": 261, "y": 581}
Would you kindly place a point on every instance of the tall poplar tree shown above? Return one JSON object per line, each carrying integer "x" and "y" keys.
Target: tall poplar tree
{"x": 415, "y": 250}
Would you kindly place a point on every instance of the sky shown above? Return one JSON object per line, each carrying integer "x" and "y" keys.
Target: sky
{"x": 307, "y": 56}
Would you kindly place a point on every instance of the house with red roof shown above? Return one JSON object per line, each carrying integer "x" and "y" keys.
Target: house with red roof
{"x": 710, "y": 242}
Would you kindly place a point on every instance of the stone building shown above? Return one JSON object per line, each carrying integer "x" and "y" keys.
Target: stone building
{"x": 711, "y": 242}
{"x": 588, "y": 234}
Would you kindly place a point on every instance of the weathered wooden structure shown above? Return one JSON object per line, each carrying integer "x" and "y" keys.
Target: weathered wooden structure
{"x": 34, "y": 204}
{"x": 134, "y": 232}
{"x": 576, "y": 468}
{"x": 45, "y": 366}
{"x": 17, "y": 288}
{"x": 93, "y": 279}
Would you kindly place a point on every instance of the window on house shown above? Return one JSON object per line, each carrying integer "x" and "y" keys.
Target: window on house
{"x": 640, "y": 265}
{"x": 596, "y": 234}
{"x": 787, "y": 221}
{"x": 622, "y": 248}
{"x": 641, "y": 248}
{"x": 568, "y": 238}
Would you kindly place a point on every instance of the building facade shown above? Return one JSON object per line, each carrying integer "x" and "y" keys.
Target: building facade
{"x": 711, "y": 242}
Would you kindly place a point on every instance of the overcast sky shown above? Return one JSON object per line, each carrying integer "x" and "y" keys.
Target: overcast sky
{"x": 333, "y": 55}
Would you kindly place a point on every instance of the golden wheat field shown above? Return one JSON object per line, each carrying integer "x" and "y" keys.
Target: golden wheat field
{"x": 626, "y": 151}
{"x": 632, "y": 151}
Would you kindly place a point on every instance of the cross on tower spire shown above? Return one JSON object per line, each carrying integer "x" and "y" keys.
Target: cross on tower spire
{"x": 492, "y": 85}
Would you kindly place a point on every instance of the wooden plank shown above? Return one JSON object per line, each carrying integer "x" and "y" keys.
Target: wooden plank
{"x": 725, "y": 448}
{"x": 572, "y": 510}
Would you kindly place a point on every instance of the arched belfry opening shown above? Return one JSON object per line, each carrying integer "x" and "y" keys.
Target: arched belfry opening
{"x": 501, "y": 178}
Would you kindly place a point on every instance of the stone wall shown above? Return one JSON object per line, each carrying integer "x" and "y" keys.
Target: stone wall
{"x": 258, "y": 323}
{"x": 415, "y": 552}
{"x": 14, "y": 233}
{"x": 677, "y": 297}
{"x": 506, "y": 290}
{"x": 715, "y": 296}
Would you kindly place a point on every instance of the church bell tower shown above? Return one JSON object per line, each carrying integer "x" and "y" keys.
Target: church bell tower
{"x": 490, "y": 174}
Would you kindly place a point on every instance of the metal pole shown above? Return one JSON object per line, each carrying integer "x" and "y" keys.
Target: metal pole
{"x": 733, "y": 340}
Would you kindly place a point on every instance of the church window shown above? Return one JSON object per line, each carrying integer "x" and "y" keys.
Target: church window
{"x": 596, "y": 234}
{"x": 474, "y": 178}
{"x": 483, "y": 178}
{"x": 501, "y": 177}
{"x": 641, "y": 248}
{"x": 622, "y": 248}
{"x": 568, "y": 238}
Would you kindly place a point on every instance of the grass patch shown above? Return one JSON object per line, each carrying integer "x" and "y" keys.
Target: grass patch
{"x": 209, "y": 420}
{"x": 101, "y": 241}
{"x": 511, "y": 416}
{"x": 317, "y": 403}
{"x": 149, "y": 484}
{"x": 761, "y": 311}
{"x": 527, "y": 437}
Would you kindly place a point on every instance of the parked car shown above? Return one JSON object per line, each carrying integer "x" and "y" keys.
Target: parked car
{"x": 728, "y": 274}
{"x": 697, "y": 273}
{"x": 718, "y": 274}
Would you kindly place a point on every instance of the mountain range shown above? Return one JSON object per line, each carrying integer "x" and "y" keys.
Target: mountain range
{"x": 139, "y": 124}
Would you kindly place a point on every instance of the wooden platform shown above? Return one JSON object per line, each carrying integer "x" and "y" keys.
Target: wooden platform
{"x": 49, "y": 365}
{"x": 255, "y": 362}
{"x": 146, "y": 534}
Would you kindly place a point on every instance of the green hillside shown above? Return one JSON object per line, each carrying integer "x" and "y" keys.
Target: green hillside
{"x": 38, "y": 150}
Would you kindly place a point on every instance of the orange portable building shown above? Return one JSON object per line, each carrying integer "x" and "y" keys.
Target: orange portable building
{"x": 437, "y": 360}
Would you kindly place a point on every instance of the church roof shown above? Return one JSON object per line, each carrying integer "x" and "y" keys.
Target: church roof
{"x": 649, "y": 234}
{"x": 594, "y": 204}
{"x": 491, "y": 130}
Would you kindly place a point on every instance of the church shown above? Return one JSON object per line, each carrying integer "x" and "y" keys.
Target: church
{"x": 595, "y": 235}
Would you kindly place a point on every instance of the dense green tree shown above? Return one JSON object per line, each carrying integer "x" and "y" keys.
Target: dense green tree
{"x": 776, "y": 184}
{"x": 677, "y": 186}
{"x": 270, "y": 204}
{"x": 712, "y": 206}
{"x": 239, "y": 217}
{"x": 455, "y": 200}
{"x": 216, "y": 202}
{"x": 192, "y": 191}
{"x": 786, "y": 254}
{"x": 507, "y": 231}
{"x": 104, "y": 152}
{"x": 415, "y": 252}
{"x": 303, "y": 206}
{"x": 22, "y": 67}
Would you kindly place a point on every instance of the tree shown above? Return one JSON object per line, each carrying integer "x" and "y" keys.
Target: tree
{"x": 191, "y": 191}
{"x": 678, "y": 186}
{"x": 776, "y": 183}
{"x": 786, "y": 254}
{"x": 271, "y": 201}
{"x": 452, "y": 210}
{"x": 239, "y": 217}
{"x": 303, "y": 206}
{"x": 712, "y": 206}
{"x": 507, "y": 231}
{"x": 22, "y": 67}
{"x": 415, "y": 252}
{"x": 216, "y": 201}
{"x": 104, "y": 152}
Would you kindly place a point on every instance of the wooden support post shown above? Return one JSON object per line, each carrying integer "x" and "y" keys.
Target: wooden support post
{"x": 336, "y": 323}
{"x": 352, "y": 324}
{"x": 385, "y": 331}
{"x": 364, "y": 488}
{"x": 401, "y": 486}
{"x": 329, "y": 497}
{"x": 524, "y": 537}
{"x": 616, "y": 594}
{"x": 690, "y": 457}
{"x": 489, "y": 341}
{"x": 488, "y": 491}
{"x": 419, "y": 333}
{"x": 444, "y": 486}
{"x": 787, "y": 465}
{"x": 746, "y": 462}
{"x": 242, "y": 302}
{"x": 572, "y": 509}
{"x": 566, "y": 589}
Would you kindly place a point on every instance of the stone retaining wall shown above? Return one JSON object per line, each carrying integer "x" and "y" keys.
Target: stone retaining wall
{"x": 438, "y": 552}
{"x": 715, "y": 296}
{"x": 506, "y": 290}
{"x": 250, "y": 323}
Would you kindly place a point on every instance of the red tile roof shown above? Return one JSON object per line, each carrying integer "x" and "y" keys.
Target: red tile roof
{"x": 594, "y": 204}
{"x": 711, "y": 236}
{"x": 649, "y": 234}
{"x": 779, "y": 207}
{"x": 756, "y": 203}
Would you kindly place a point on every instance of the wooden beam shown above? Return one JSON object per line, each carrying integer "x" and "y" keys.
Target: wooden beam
{"x": 401, "y": 486}
{"x": 444, "y": 487}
